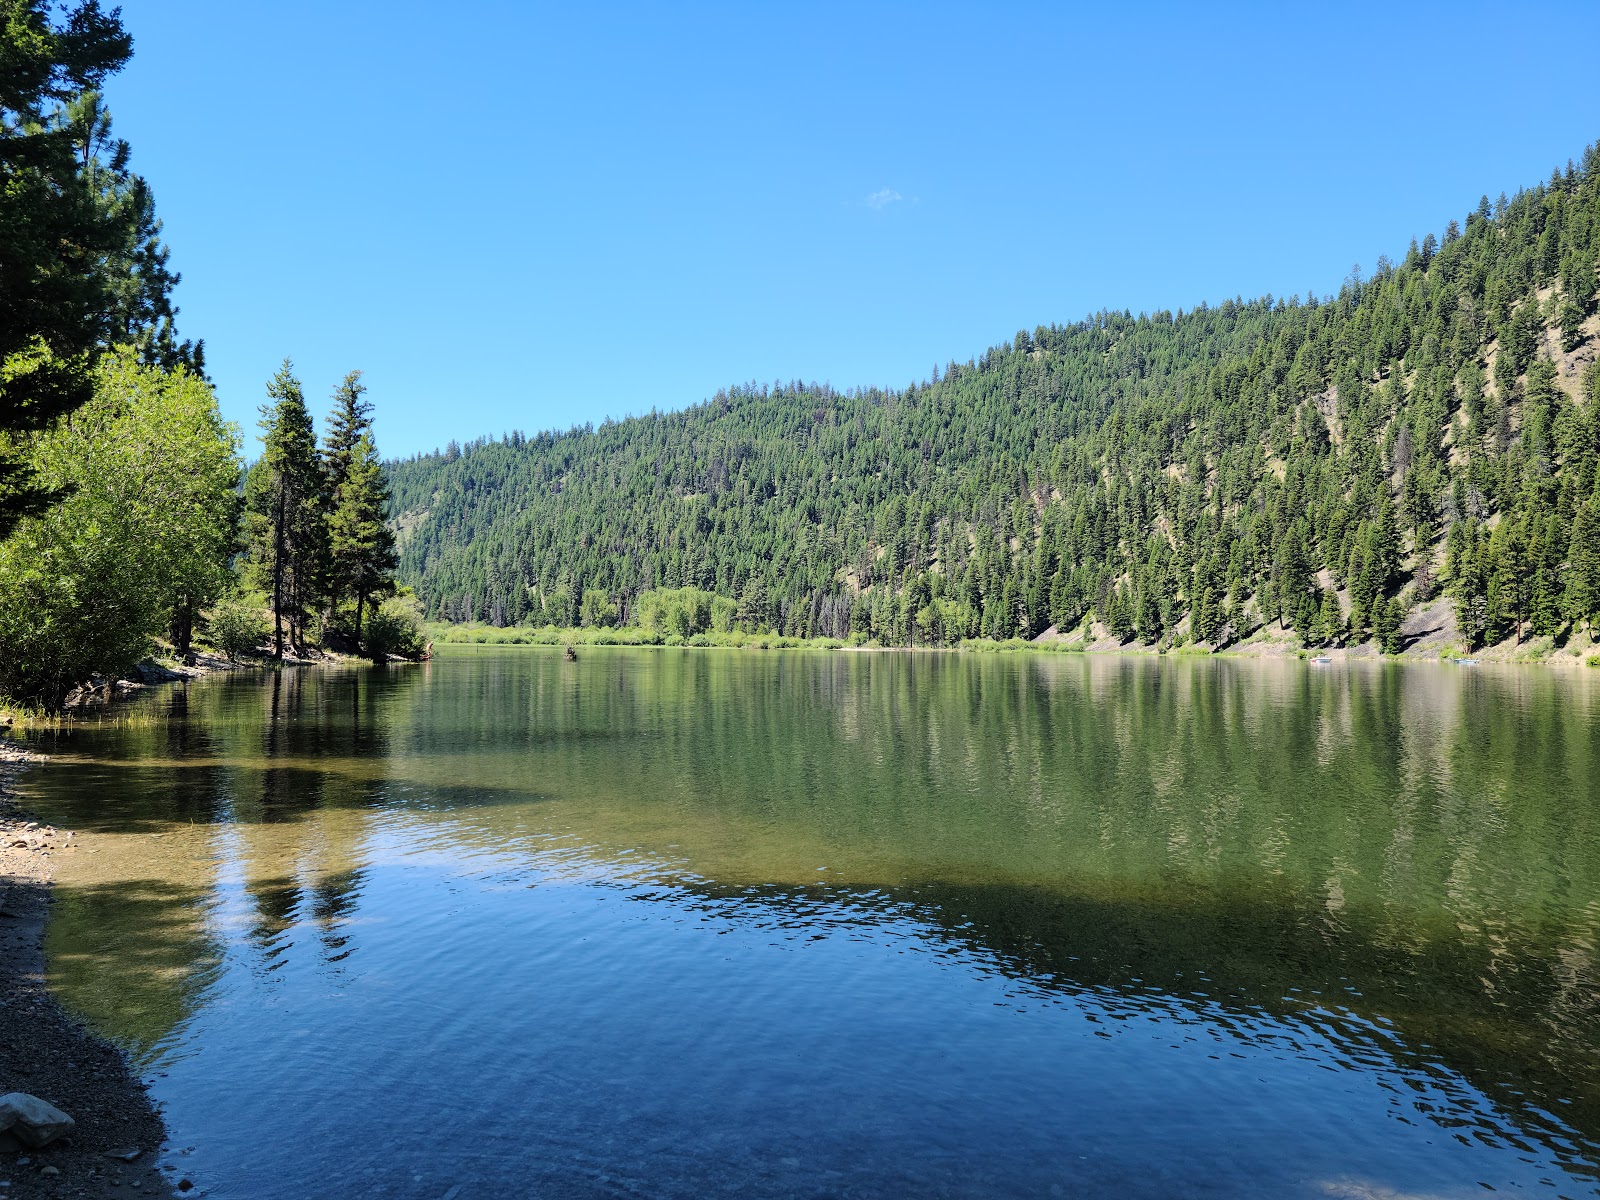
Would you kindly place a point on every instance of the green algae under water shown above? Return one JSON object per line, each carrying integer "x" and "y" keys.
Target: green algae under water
{"x": 664, "y": 923}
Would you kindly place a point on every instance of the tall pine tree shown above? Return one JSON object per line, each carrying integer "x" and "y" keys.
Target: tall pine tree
{"x": 350, "y": 418}
{"x": 361, "y": 545}
{"x": 285, "y": 526}
{"x": 361, "y": 558}
{"x": 55, "y": 290}
{"x": 1583, "y": 573}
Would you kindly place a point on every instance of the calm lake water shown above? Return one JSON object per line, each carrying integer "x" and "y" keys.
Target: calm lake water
{"x": 670, "y": 923}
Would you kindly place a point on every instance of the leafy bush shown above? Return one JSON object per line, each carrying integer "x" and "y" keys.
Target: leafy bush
{"x": 237, "y": 627}
{"x": 150, "y": 469}
{"x": 396, "y": 628}
{"x": 1015, "y": 645}
{"x": 681, "y": 612}
{"x": 597, "y": 610}
{"x": 628, "y": 636}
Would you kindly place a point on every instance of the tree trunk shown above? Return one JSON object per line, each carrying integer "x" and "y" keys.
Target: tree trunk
{"x": 361, "y": 602}
{"x": 277, "y": 575}
{"x": 181, "y": 628}
{"x": 297, "y": 635}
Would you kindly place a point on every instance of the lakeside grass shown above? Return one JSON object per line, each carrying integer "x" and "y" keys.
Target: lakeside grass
{"x": 1530, "y": 654}
{"x": 491, "y": 635}
{"x": 549, "y": 635}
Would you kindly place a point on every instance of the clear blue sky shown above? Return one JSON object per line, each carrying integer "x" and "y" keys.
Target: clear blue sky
{"x": 518, "y": 216}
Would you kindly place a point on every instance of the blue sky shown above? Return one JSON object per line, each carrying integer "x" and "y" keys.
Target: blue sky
{"x": 514, "y": 215}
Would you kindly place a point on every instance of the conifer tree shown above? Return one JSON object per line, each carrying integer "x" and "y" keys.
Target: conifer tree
{"x": 55, "y": 291}
{"x": 1386, "y": 625}
{"x": 1331, "y": 618}
{"x": 1547, "y": 552}
{"x": 361, "y": 546}
{"x": 360, "y": 543}
{"x": 350, "y": 418}
{"x": 1583, "y": 569}
{"x": 285, "y": 527}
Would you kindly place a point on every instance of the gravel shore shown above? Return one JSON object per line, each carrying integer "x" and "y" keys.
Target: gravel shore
{"x": 46, "y": 1052}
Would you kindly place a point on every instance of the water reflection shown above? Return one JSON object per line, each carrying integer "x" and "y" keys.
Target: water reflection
{"x": 1386, "y": 875}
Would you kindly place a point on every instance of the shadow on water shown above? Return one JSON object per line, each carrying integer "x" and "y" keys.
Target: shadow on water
{"x": 138, "y": 957}
{"x": 268, "y": 747}
{"x": 1519, "y": 1024}
{"x": 137, "y": 938}
{"x": 134, "y": 957}
{"x": 1408, "y": 858}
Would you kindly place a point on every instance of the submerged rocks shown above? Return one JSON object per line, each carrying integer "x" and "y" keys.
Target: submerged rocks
{"x": 32, "y": 1121}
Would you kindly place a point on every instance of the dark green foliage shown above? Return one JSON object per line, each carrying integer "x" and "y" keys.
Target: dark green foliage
{"x": 349, "y": 419}
{"x": 1189, "y": 475}
{"x": 361, "y": 556}
{"x": 236, "y": 628}
{"x": 1583, "y": 582}
{"x": 360, "y": 544}
{"x": 82, "y": 266}
{"x": 395, "y": 629}
{"x": 284, "y": 520}
{"x": 316, "y": 521}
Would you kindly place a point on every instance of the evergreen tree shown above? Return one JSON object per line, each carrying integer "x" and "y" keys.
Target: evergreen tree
{"x": 285, "y": 524}
{"x": 350, "y": 418}
{"x": 753, "y": 609}
{"x": 1544, "y": 606}
{"x": 360, "y": 543}
{"x": 1583, "y": 571}
{"x": 1330, "y": 620}
{"x": 1316, "y": 631}
{"x": 1569, "y": 320}
{"x": 1386, "y": 625}
{"x": 361, "y": 557}
{"x": 55, "y": 292}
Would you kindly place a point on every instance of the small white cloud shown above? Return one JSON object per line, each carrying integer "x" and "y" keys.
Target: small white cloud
{"x": 883, "y": 198}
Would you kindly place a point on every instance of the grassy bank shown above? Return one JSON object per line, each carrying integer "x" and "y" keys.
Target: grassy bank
{"x": 549, "y": 635}
{"x": 491, "y": 635}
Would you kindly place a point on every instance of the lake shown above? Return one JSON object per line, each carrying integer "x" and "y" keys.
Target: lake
{"x": 687, "y": 923}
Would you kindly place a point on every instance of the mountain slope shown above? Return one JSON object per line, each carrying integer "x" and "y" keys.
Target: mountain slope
{"x": 1325, "y": 463}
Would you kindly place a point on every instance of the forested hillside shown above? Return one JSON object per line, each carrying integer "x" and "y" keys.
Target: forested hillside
{"x": 1327, "y": 463}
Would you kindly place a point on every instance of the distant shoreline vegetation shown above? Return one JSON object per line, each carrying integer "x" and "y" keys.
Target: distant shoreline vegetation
{"x": 493, "y": 635}
{"x": 688, "y": 617}
{"x": 551, "y": 637}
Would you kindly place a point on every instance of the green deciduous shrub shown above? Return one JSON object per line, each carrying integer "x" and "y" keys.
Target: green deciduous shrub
{"x": 237, "y": 627}
{"x": 396, "y": 628}
{"x": 149, "y": 469}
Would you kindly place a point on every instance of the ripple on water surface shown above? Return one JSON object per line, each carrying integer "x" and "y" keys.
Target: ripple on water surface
{"x": 674, "y": 924}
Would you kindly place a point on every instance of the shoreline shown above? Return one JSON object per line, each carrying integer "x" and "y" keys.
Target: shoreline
{"x": 46, "y": 1051}
{"x": 1429, "y": 632}
{"x": 1264, "y": 651}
